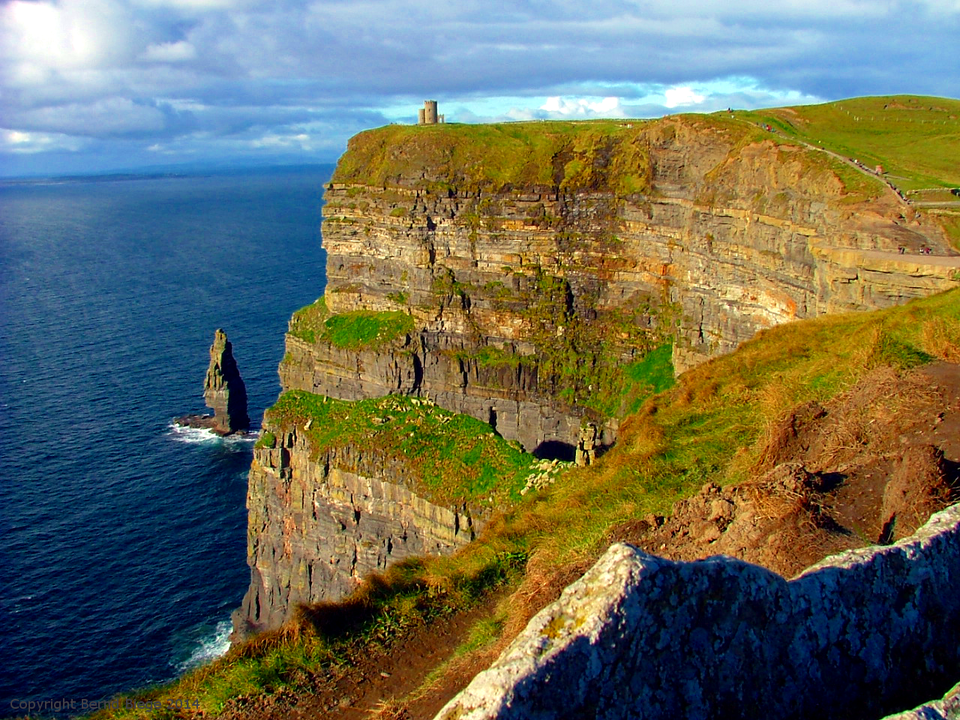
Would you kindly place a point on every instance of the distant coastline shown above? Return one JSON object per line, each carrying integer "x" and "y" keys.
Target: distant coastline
{"x": 164, "y": 174}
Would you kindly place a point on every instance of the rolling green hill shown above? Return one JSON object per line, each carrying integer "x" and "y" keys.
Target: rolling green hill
{"x": 915, "y": 139}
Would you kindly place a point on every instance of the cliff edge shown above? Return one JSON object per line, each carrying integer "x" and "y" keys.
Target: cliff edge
{"x": 535, "y": 264}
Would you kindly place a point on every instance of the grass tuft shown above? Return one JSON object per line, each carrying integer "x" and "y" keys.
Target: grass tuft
{"x": 354, "y": 330}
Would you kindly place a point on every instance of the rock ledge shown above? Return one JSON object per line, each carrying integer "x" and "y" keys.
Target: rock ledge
{"x": 861, "y": 634}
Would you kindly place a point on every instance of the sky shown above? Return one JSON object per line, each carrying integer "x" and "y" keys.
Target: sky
{"x": 89, "y": 86}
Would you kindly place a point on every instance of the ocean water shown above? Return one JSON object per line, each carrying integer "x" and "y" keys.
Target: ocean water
{"x": 122, "y": 538}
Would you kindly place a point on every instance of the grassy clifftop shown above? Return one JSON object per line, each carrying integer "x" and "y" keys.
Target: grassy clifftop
{"x": 608, "y": 155}
{"x": 915, "y": 139}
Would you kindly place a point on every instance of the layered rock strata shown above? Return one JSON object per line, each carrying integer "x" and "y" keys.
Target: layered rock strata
{"x": 319, "y": 524}
{"x": 224, "y": 392}
{"x": 859, "y": 635}
{"x": 533, "y": 280}
{"x": 507, "y": 396}
{"x": 718, "y": 235}
{"x": 223, "y": 389}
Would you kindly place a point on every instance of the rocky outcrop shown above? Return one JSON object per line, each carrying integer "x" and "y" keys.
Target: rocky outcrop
{"x": 319, "y": 524}
{"x": 223, "y": 391}
{"x": 506, "y": 395}
{"x": 223, "y": 388}
{"x": 946, "y": 709}
{"x": 529, "y": 297}
{"x": 859, "y": 635}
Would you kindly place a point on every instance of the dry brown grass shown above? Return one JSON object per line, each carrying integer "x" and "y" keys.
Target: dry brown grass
{"x": 941, "y": 338}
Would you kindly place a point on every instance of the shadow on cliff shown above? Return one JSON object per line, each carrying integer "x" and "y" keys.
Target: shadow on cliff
{"x": 555, "y": 450}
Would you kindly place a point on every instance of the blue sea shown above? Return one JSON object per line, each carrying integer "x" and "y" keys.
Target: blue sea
{"x": 123, "y": 546}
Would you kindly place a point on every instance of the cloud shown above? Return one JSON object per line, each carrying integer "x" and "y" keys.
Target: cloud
{"x": 179, "y": 51}
{"x": 682, "y": 97}
{"x": 172, "y": 72}
{"x": 197, "y": 6}
{"x": 103, "y": 118}
{"x": 71, "y": 35}
{"x": 558, "y": 107}
{"x": 17, "y": 142}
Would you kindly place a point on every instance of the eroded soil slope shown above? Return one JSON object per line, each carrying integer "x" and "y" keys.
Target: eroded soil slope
{"x": 870, "y": 466}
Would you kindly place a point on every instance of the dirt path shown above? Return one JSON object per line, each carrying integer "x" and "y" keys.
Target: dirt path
{"x": 371, "y": 685}
{"x": 950, "y": 261}
{"x": 850, "y": 162}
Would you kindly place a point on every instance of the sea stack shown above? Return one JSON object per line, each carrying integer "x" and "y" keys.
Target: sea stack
{"x": 223, "y": 388}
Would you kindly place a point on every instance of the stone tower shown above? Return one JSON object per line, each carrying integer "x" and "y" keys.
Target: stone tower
{"x": 427, "y": 115}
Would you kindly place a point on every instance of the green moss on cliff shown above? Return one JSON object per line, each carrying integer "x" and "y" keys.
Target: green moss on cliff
{"x": 366, "y": 329}
{"x": 352, "y": 330}
{"x": 446, "y": 457}
{"x": 307, "y": 323}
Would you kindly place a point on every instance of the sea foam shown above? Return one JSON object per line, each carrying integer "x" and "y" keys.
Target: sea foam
{"x": 210, "y": 647}
{"x": 205, "y": 436}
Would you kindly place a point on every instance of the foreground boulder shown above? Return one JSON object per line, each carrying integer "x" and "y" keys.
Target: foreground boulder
{"x": 859, "y": 635}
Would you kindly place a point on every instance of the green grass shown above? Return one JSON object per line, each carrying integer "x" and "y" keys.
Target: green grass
{"x": 447, "y": 457}
{"x": 649, "y": 376}
{"x": 916, "y": 139}
{"x": 489, "y": 356}
{"x": 354, "y": 330}
{"x": 710, "y": 426}
{"x": 585, "y": 155}
{"x": 365, "y": 328}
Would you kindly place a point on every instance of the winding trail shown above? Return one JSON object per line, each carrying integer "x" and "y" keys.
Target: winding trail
{"x": 859, "y": 167}
{"x": 949, "y": 261}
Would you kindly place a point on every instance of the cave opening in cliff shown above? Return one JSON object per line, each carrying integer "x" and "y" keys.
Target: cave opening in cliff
{"x": 555, "y": 450}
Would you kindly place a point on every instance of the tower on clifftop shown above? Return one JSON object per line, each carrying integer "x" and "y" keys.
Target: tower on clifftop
{"x": 427, "y": 115}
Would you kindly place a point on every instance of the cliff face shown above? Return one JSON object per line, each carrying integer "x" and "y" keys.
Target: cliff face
{"x": 519, "y": 275}
{"x": 529, "y": 295}
{"x": 319, "y": 524}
